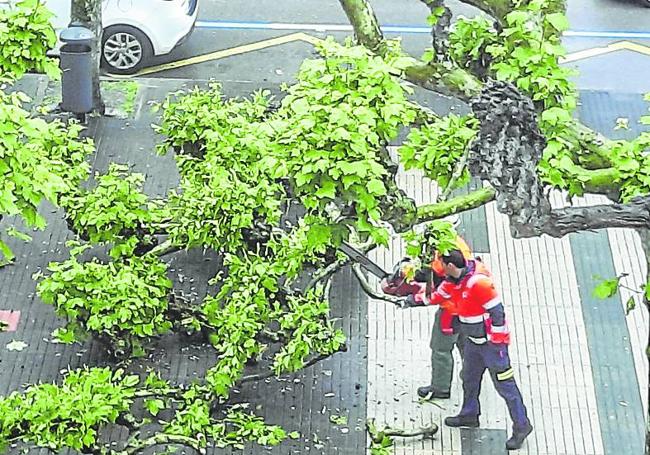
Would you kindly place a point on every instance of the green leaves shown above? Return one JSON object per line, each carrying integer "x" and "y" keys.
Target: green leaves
{"x": 114, "y": 211}
{"x": 437, "y": 147}
{"x": 438, "y": 236}
{"x": 308, "y": 330}
{"x": 558, "y": 20}
{"x": 49, "y": 416}
{"x": 469, "y": 40}
{"x": 26, "y": 35}
{"x": 38, "y": 160}
{"x": 606, "y": 288}
{"x": 122, "y": 301}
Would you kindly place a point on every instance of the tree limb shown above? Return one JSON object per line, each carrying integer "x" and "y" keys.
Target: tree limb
{"x": 455, "y": 205}
{"x": 635, "y": 214}
{"x": 367, "y": 288}
{"x": 447, "y": 80}
{"x": 440, "y": 30}
{"x": 161, "y": 439}
{"x": 497, "y": 9}
{"x": 366, "y": 27}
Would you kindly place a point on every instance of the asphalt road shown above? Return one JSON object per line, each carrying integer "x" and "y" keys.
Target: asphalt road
{"x": 225, "y": 24}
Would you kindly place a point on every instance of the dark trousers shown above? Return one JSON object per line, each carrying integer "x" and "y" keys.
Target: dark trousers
{"x": 493, "y": 357}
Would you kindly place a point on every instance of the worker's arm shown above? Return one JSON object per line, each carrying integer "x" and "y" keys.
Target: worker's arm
{"x": 493, "y": 305}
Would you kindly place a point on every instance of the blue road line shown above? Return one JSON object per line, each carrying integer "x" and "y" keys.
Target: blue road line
{"x": 398, "y": 29}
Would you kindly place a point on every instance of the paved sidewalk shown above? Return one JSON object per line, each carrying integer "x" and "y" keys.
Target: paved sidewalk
{"x": 580, "y": 363}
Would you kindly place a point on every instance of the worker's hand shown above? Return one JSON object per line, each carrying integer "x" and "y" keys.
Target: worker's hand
{"x": 410, "y": 302}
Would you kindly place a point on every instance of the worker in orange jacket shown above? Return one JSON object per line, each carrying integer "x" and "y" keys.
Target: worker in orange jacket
{"x": 482, "y": 321}
{"x": 443, "y": 338}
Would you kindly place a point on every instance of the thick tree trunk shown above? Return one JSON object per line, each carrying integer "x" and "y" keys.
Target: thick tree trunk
{"x": 89, "y": 14}
{"x": 506, "y": 153}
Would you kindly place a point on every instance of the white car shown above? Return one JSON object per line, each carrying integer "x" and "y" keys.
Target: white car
{"x": 134, "y": 30}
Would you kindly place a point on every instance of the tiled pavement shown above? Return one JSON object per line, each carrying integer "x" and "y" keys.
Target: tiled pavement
{"x": 577, "y": 402}
{"x": 584, "y": 377}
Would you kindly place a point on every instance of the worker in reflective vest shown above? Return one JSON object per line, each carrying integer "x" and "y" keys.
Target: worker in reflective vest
{"x": 443, "y": 337}
{"x": 469, "y": 287}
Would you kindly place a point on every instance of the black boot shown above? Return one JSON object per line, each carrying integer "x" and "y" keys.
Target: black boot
{"x": 462, "y": 421}
{"x": 518, "y": 436}
{"x": 429, "y": 393}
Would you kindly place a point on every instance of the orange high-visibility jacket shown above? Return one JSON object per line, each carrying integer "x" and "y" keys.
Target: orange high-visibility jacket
{"x": 476, "y": 302}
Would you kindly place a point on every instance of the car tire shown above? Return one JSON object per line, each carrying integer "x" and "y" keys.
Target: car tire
{"x": 125, "y": 49}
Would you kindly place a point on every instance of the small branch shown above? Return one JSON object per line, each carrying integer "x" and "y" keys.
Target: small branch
{"x": 367, "y": 288}
{"x": 497, "y": 9}
{"x": 458, "y": 172}
{"x": 170, "y": 393}
{"x": 165, "y": 248}
{"x": 161, "y": 439}
{"x": 334, "y": 267}
{"x": 377, "y": 435}
{"x": 268, "y": 374}
{"x": 440, "y": 30}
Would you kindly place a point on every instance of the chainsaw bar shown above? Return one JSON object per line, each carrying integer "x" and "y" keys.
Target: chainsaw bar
{"x": 361, "y": 259}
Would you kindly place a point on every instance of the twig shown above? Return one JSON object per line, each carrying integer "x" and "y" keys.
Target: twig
{"x": 164, "y": 248}
{"x": 161, "y": 439}
{"x": 458, "y": 172}
{"x": 268, "y": 374}
{"x": 367, "y": 288}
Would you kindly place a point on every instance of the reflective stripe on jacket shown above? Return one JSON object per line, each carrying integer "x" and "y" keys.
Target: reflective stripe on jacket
{"x": 477, "y": 304}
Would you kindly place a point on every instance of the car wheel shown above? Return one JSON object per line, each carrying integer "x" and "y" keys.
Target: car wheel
{"x": 125, "y": 49}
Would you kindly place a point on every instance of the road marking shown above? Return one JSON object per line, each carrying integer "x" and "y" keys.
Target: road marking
{"x": 293, "y": 37}
{"x": 606, "y": 34}
{"x": 256, "y": 46}
{"x": 596, "y": 51}
{"x": 402, "y": 29}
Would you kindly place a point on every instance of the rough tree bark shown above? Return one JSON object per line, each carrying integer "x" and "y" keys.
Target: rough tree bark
{"x": 366, "y": 26}
{"x": 89, "y": 14}
{"x": 532, "y": 215}
{"x": 440, "y": 30}
{"x": 506, "y": 153}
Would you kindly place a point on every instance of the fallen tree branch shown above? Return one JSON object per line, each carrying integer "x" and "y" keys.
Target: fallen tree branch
{"x": 367, "y": 288}
{"x": 136, "y": 446}
{"x": 378, "y": 435}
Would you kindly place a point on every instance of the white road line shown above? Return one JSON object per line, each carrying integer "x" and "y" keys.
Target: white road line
{"x": 408, "y": 29}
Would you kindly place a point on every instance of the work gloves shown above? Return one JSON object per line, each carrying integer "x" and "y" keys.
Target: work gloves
{"x": 409, "y": 302}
